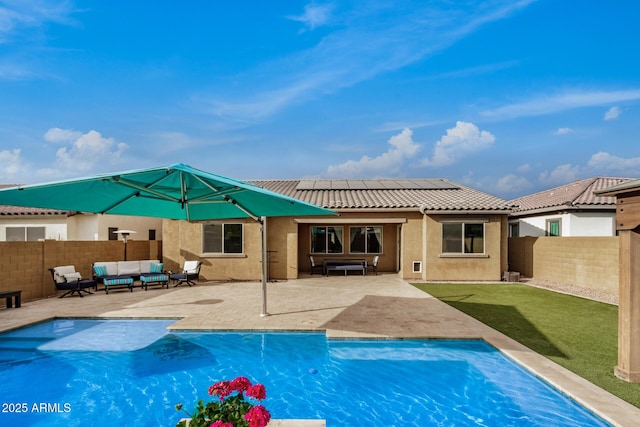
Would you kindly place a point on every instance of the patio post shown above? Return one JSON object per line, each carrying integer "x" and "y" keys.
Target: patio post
{"x": 628, "y": 368}
{"x": 263, "y": 226}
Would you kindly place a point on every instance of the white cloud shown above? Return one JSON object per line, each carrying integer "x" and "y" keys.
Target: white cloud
{"x": 314, "y": 15}
{"x": 560, "y": 175}
{"x": 387, "y": 164}
{"x": 61, "y": 135}
{"x": 606, "y": 162}
{"x": 563, "y": 131}
{"x": 11, "y": 165}
{"x": 82, "y": 152}
{"x": 524, "y": 168}
{"x": 353, "y": 52}
{"x": 548, "y": 104}
{"x": 24, "y": 15}
{"x": 511, "y": 184}
{"x": 612, "y": 113}
{"x": 463, "y": 139}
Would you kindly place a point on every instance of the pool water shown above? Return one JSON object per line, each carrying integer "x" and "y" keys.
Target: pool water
{"x": 132, "y": 372}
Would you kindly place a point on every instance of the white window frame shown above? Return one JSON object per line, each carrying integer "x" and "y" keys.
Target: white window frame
{"x": 222, "y": 245}
{"x": 464, "y": 224}
{"x": 25, "y": 232}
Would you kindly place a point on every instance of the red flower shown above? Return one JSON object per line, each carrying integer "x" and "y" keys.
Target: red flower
{"x": 240, "y": 384}
{"x": 258, "y": 416}
{"x": 221, "y": 389}
{"x": 257, "y": 392}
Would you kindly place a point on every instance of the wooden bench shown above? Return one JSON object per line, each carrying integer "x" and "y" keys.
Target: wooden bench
{"x": 346, "y": 268}
{"x": 10, "y": 295}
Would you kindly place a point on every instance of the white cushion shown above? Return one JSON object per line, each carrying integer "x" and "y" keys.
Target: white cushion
{"x": 128, "y": 268}
{"x": 190, "y": 267}
{"x": 112, "y": 267}
{"x": 72, "y": 277}
{"x": 145, "y": 265}
{"x": 59, "y": 272}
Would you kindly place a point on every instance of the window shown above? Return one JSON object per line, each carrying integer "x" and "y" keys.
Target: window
{"x": 222, "y": 238}
{"x": 463, "y": 238}
{"x": 326, "y": 240}
{"x": 514, "y": 229}
{"x": 365, "y": 240}
{"x": 111, "y": 233}
{"x": 152, "y": 234}
{"x": 24, "y": 234}
{"x": 553, "y": 227}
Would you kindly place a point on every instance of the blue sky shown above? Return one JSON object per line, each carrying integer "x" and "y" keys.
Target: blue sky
{"x": 509, "y": 97}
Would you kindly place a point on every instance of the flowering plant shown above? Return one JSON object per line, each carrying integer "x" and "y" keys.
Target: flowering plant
{"x": 231, "y": 409}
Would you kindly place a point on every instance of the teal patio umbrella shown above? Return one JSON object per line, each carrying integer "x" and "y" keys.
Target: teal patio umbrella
{"x": 175, "y": 192}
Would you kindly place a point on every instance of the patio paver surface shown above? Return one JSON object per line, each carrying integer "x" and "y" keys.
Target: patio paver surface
{"x": 377, "y": 307}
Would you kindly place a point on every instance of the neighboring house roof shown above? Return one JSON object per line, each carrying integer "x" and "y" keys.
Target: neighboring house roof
{"x": 21, "y": 211}
{"x": 426, "y": 195}
{"x": 623, "y": 187}
{"x": 573, "y": 196}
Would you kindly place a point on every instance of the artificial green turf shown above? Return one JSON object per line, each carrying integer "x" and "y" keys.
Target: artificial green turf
{"x": 577, "y": 333}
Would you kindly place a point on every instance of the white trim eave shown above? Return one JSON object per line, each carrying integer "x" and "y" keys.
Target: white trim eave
{"x": 563, "y": 208}
{"x": 362, "y": 220}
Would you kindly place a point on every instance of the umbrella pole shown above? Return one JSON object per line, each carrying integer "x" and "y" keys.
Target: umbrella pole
{"x": 263, "y": 222}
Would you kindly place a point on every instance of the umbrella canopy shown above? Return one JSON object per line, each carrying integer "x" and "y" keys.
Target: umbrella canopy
{"x": 175, "y": 192}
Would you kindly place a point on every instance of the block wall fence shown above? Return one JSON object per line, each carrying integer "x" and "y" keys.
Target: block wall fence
{"x": 588, "y": 262}
{"x": 25, "y": 265}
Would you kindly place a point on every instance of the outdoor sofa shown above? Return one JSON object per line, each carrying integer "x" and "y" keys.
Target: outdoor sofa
{"x": 125, "y": 273}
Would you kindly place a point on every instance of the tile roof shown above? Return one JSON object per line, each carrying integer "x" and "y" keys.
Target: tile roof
{"x": 433, "y": 195}
{"x": 420, "y": 194}
{"x": 576, "y": 195}
{"x": 22, "y": 211}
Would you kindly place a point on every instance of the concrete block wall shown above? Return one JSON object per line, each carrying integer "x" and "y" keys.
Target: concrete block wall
{"x": 25, "y": 265}
{"x": 589, "y": 262}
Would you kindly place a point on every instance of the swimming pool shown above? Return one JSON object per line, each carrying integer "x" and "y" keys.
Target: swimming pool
{"x": 132, "y": 372}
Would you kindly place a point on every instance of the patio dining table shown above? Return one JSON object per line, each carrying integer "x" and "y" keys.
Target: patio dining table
{"x": 345, "y": 264}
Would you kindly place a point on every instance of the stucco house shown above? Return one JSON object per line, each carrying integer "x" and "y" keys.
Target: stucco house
{"x": 423, "y": 229}
{"x": 569, "y": 210}
{"x": 20, "y": 224}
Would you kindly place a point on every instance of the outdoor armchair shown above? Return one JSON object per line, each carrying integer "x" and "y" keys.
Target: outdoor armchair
{"x": 374, "y": 265}
{"x": 315, "y": 267}
{"x": 190, "y": 272}
{"x": 66, "y": 278}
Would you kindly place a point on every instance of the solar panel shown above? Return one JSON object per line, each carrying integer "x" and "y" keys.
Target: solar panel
{"x": 375, "y": 184}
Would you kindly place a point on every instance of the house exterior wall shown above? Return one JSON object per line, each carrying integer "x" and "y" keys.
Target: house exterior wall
{"x": 486, "y": 266}
{"x": 282, "y": 247}
{"x": 588, "y": 262}
{"x": 184, "y": 243}
{"x": 586, "y": 223}
{"x": 55, "y": 227}
{"x": 407, "y": 237}
{"x": 96, "y": 226}
{"x": 414, "y": 243}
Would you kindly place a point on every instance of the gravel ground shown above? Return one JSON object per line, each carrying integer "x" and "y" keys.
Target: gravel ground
{"x": 592, "y": 294}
